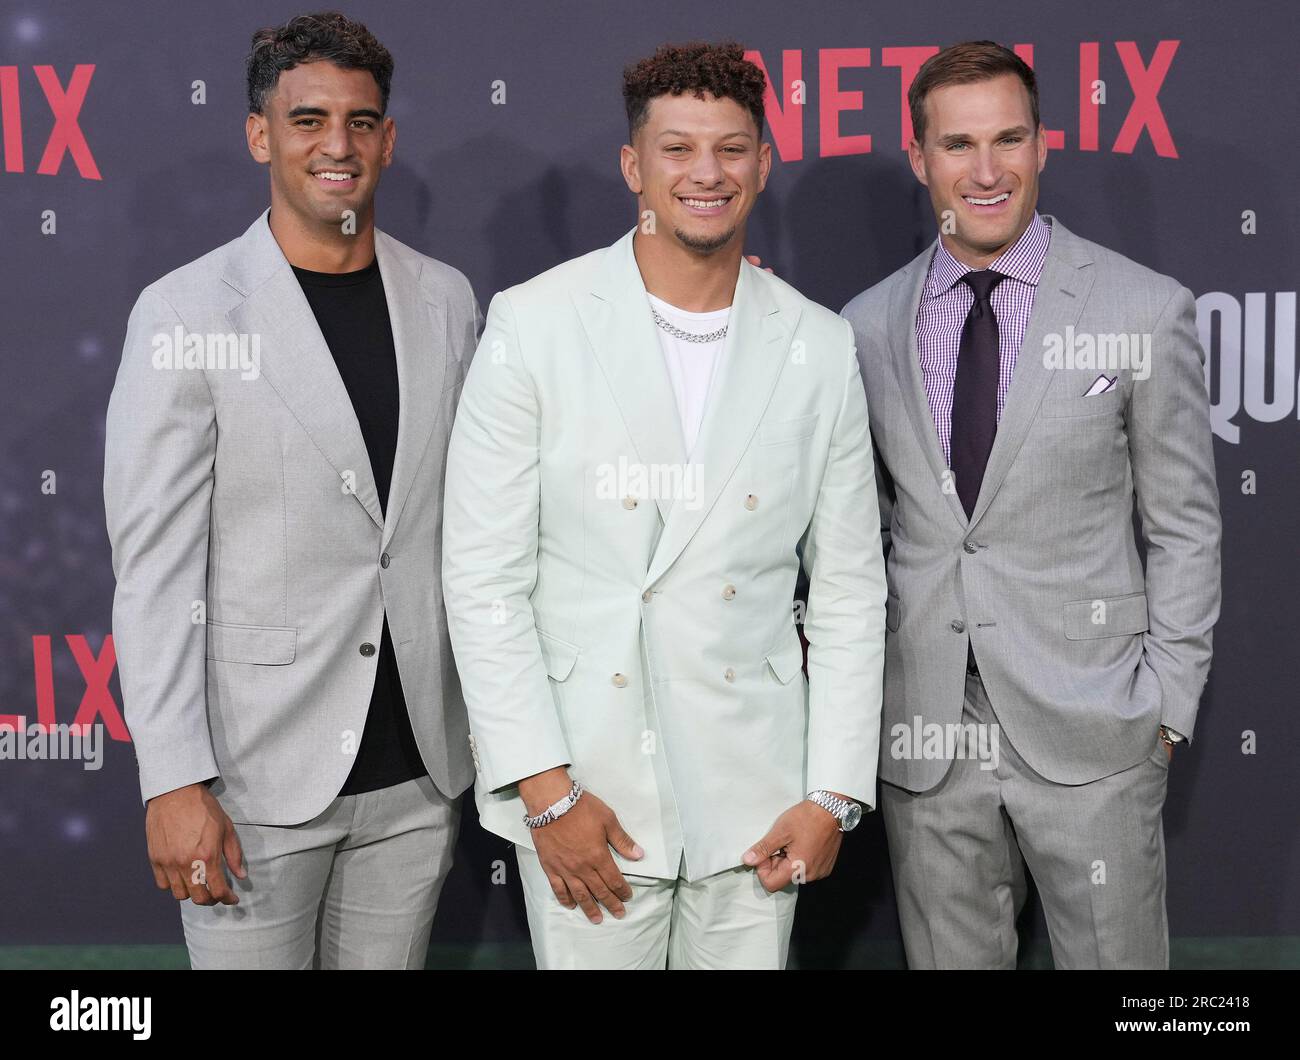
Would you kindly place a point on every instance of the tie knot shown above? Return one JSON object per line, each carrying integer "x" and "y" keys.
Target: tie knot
{"x": 983, "y": 282}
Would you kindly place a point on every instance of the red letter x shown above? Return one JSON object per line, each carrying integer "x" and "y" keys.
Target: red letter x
{"x": 98, "y": 700}
{"x": 1145, "y": 111}
{"x": 66, "y": 134}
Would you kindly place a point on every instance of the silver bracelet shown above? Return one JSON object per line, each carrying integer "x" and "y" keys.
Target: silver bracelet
{"x": 557, "y": 809}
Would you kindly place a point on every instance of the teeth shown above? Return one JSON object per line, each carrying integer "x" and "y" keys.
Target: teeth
{"x": 704, "y": 204}
{"x": 986, "y": 202}
{"x": 330, "y": 175}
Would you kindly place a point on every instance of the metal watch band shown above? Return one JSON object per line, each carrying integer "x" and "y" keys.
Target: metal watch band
{"x": 557, "y": 809}
{"x": 838, "y": 807}
{"x": 1170, "y": 737}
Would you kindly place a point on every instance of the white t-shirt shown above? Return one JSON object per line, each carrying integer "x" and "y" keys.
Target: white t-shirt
{"x": 691, "y": 365}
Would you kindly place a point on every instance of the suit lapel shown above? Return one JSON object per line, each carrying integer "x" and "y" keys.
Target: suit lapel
{"x": 911, "y": 383}
{"x": 1062, "y": 290}
{"x": 755, "y": 350}
{"x": 295, "y": 359}
{"x": 420, "y": 339}
{"x": 616, "y": 317}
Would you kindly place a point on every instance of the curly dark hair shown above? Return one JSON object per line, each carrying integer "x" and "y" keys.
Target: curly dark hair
{"x": 309, "y": 38}
{"x": 720, "y": 69}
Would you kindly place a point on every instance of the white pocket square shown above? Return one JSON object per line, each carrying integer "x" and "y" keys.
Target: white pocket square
{"x": 1101, "y": 385}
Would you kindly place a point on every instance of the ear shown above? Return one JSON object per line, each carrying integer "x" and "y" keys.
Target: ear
{"x": 764, "y": 164}
{"x": 255, "y": 133}
{"x": 390, "y": 138}
{"x": 916, "y": 156}
{"x": 1041, "y": 145}
{"x": 630, "y": 167}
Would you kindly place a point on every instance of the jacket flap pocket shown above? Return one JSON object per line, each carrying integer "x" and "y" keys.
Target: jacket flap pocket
{"x": 787, "y": 660}
{"x": 557, "y": 655}
{"x": 1111, "y": 616}
{"x": 787, "y": 430}
{"x": 267, "y": 645}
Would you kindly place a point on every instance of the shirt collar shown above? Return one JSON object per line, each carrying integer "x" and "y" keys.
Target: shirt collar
{"x": 1023, "y": 260}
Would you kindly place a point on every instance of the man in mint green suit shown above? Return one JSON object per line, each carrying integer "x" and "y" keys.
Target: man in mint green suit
{"x": 650, "y": 441}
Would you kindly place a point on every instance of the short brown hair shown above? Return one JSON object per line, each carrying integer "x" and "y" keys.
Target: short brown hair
{"x": 964, "y": 64}
{"x": 719, "y": 69}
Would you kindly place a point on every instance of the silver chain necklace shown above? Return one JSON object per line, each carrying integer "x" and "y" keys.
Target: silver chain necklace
{"x": 688, "y": 336}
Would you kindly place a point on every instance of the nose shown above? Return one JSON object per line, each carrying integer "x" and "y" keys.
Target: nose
{"x": 706, "y": 171}
{"x": 337, "y": 141}
{"x": 986, "y": 170}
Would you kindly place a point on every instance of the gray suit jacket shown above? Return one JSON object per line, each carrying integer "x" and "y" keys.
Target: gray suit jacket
{"x": 1083, "y": 650}
{"x": 254, "y": 567}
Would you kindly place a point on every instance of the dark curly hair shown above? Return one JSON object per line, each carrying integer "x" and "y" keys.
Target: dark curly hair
{"x": 309, "y": 38}
{"x": 720, "y": 69}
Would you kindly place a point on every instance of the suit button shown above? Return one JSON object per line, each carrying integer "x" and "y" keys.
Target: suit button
{"x": 957, "y": 625}
{"x": 629, "y": 503}
{"x": 969, "y": 548}
{"x": 383, "y": 561}
{"x": 751, "y": 502}
{"x": 729, "y": 674}
{"x": 619, "y": 681}
{"x": 647, "y": 596}
{"x": 728, "y": 592}
{"x": 367, "y": 649}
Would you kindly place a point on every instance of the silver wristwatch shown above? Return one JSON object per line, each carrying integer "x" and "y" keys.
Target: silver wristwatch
{"x": 556, "y": 809}
{"x": 846, "y": 811}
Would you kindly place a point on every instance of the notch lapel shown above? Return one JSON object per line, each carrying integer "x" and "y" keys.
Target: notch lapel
{"x": 906, "y": 357}
{"x": 1063, "y": 288}
{"x": 420, "y": 341}
{"x": 296, "y": 362}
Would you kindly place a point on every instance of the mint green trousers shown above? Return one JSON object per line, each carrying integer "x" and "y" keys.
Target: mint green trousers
{"x": 722, "y": 921}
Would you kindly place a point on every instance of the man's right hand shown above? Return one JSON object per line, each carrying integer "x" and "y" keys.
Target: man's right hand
{"x": 574, "y": 849}
{"x": 186, "y": 826}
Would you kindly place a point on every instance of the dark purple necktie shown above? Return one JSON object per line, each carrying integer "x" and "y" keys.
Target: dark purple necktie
{"x": 975, "y": 390}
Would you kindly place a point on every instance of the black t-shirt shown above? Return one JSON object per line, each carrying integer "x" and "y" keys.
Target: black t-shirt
{"x": 352, "y": 313}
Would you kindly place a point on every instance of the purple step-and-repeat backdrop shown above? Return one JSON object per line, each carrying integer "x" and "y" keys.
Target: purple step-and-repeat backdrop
{"x": 1173, "y": 136}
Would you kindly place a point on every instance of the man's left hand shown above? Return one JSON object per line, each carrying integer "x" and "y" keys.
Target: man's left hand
{"x": 802, "y": 844}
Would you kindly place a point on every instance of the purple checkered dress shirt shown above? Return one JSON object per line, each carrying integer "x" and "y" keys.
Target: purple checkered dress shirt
{"x": 942, "y": 315}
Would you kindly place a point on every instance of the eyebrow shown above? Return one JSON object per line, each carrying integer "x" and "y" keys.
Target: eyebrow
{"x": 321, "y": 112}
{"x": 952, "y": 138}
{"x": 688, "y": 135}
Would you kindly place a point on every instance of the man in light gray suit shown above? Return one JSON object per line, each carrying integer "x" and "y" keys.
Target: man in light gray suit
{"x": 1029, "y": 391}
{"x": 274, "y": 459}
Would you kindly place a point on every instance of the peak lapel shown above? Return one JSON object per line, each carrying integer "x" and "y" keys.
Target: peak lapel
{"x": 755, "y": 350}
{"x": 616, "y": 317}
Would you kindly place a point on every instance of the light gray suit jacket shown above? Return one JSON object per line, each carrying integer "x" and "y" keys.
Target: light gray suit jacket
{"x": 252, "y": 559}
{"x": 1083, "y": 651}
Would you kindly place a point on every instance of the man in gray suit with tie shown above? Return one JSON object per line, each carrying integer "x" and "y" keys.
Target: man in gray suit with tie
{"x": 274, "y": 458}
{"x": 1029, "y": 391}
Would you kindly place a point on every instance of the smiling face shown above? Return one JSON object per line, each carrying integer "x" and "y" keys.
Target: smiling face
{"x": 324, "y": 136}
{"x": 699, "y": 166}
{"x": 980, "y": 159}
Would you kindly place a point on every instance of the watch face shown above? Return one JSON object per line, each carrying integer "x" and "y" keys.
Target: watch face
{"x": 851, "y": 817}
